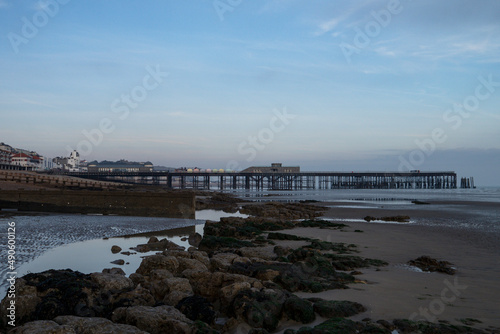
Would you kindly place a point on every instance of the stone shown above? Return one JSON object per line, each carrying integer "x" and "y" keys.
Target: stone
{"x": 178, "y": 289}
{"x": 426, "y": 263}
{"x": 112, "y": 282}
{"x": 152, "y": 262}
{"x": 137, "y": 278}
{"x": 115, "y": 249}
{"x": 337, "y": 308}
{"x": 154, "y": 320}
{"x": 259, "y": 309}
{"x": 222, "y": 261}
{"x": 229, "y": 292}
{"x": 267, "y": 275}
{"x": 96, "y": 325}
{"x": 138, "y": 296}
{"x": 114, "y": 271}
{"x": 185, "y": 263}
{"x": 195, "y": 239}
{"x": 299, "y": 309}
{"x": 200, "y": 256}
{"x": 153, "y": 240}
{"x": 42, "y": 327}
{"x": 119, "y": 262}
{"x": 197, "y": 308}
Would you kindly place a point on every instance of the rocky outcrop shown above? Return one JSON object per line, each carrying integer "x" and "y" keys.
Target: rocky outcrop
{"x": 290, "y": 211}
{"x": 399, "y": 219}
{"x": 426, "y": 263}
{"x": 155, "y": 245}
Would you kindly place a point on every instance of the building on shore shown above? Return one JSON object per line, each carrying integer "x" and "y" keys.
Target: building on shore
{"x": 274, "y": 168}
{"x": 121, "y": 166}
{"x": 69, "y": 164}
{"x": 27, "y": 161}
{"x": 5, "y": 157}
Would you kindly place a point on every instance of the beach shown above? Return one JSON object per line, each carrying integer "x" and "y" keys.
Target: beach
{"x": 442, "y": 229}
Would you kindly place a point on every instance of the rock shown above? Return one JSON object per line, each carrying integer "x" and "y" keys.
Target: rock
{"x": 212, "y": 243}
{"x": 197, "y": 308}
{"x": 426, "y": 263}
{"x": 27, "y": 299}
{"x": 335, "y": 308}
{"x": 222, "y": 261}
{"x": 127, "y": 253}
{"x": 115, "y": 249}
{"x": 42, "y": 327}
{"x": 229, "y": 292}
{"x": 185, "y": 263}
{"x": 282, "y": 251}
{"x": 400, "y": 219}
{"x": 160, "y": 274}
{"x": 112, "y": 282}
{"x": 178, "y": 289}
{"x": 119, "y": 262}
{"x": 95, "y": 325}
{"x": 154, "y": 320}
{"x": 200, "y": 256}
{"x": 137, "y": 278}
{"x": 114, "y": 271}
{"x": 161, "y": 245}
{"x": 137, "y": 297}
{"x": 43, "y": 296}
{"x": 267, "y": 275}
{"x": 153, "y": 240}
{"x": 209, "y": 284}
{"x": 259, "y": 309}
{"x": 195, "y": 239}
{"x": 152, "y": 262}
{"x": 299, "y": 309}
{"x": 264, "y": 253}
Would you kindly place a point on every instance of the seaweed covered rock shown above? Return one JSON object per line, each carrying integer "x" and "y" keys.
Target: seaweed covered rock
{"x": 426, "y": 263}
{"x": 399, "y": 219}
{"x": 299, "y": 309}
{"x": 197, "y": 308}
{"x": 336, "y": 308}
{"x": 291, "y": 211}
{"x": 46, "y": 295}
{"x": 211, "y": 243}
{"x": 259, "y": 309}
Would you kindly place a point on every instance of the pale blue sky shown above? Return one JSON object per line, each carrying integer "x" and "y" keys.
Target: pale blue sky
{"x": 367, "y": 82}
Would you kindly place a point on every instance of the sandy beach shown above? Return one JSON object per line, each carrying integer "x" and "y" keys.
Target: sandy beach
{"x": 399, "y": 291}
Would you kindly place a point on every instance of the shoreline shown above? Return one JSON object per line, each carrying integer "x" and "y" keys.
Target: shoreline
{"x": 396, "y": 291}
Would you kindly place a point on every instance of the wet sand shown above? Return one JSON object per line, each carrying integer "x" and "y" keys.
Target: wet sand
{"x": 399, "y": 291}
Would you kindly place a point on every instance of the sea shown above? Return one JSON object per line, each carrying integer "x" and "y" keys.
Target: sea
{"x": 41, "y": 241}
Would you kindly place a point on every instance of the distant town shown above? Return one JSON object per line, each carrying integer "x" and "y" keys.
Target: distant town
{"x": 12, "y": 158}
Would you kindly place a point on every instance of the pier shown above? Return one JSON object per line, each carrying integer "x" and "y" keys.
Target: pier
{"x": 282, "y": 181}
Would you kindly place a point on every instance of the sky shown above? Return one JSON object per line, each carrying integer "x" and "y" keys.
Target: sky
{"x": 327, "y": 85}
